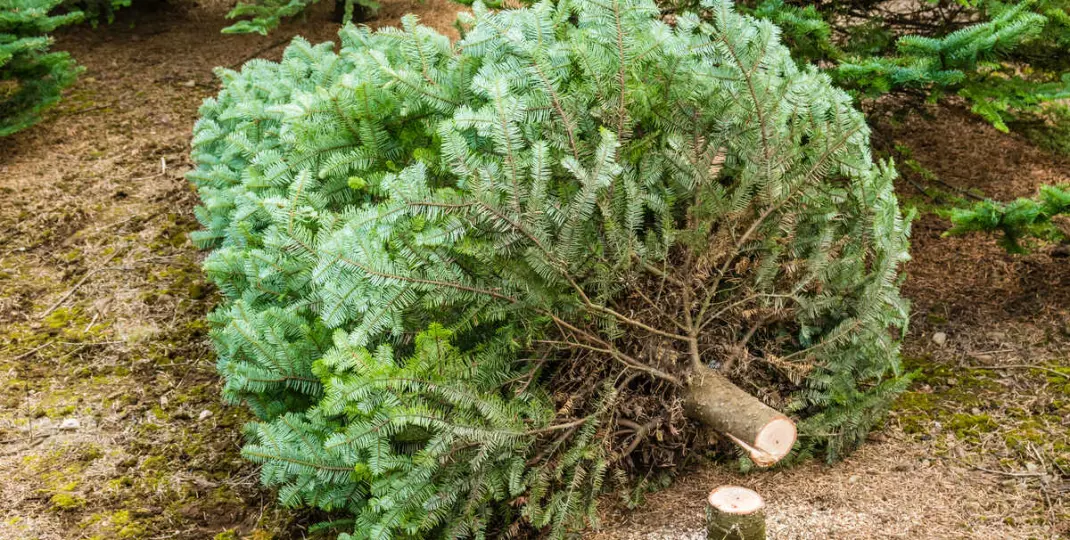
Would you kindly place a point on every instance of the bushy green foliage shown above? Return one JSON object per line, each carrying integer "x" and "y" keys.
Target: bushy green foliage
{"x": 266, "y": 15}
{"x": 455, "y": 273}
{"x": 1016, "y": 220}
{"x": 31, "y": 77}
{"x": 1010, "y": 61}
{"x": 1006, "y": 59}
{"x": 97, "y": 10}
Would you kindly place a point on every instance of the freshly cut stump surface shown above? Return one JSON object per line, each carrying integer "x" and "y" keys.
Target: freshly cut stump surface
{"x": 735, "y": 513}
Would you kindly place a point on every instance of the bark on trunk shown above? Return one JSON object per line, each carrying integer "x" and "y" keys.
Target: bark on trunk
{"x": 766, "y": 435}
{"x": 735, "y": 513}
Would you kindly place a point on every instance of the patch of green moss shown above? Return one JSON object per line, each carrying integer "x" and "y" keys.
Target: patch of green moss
{"x": 914, "y": 410}
{"x": 72, "y": 256}
{"x": 60, "y": 412}
{"x": 198, "y": 393}
{"x": 936, "y": 319}
{"x": 55, "y": 403}
{"x": 175, "y": 233}
{"x": 1020, "y": 439}
{"x": 64, "y": 316}
{"x": 1058, "y": 378}
{"x": 88, "y": 453}
{"x": 971, "y": 426}
{"x": 66, "y": 500}
{"x": 953, "y": 382}
{"x": 59, "y": 473}
{"x": 118, "y": 525}
{"x": 154, "y": 463}
{"x": 151, "y": 493}
{"x": 1026, "y": 430}
{"x": 65, "y": 324}
{"x": 948, "y": 390}
{"x": 178, "y": 345}
{"x": 197, "y": 290}
{"x": 121, "y": 483}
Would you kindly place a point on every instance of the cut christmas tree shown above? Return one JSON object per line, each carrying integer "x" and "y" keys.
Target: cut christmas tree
{"x": 468, "y": 284}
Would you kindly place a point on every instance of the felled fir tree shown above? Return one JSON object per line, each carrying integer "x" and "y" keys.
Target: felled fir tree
{"x": 468, "y": 284}
{"x": 31, "y": 77}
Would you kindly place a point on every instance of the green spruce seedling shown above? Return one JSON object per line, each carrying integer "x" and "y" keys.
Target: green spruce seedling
{"x": 31, "y": 77}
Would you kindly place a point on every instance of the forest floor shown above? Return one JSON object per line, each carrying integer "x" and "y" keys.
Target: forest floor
{"x": 111, "y": 424}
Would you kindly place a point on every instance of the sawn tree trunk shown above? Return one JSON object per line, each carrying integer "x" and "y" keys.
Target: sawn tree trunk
{"x": 766, "y": 434}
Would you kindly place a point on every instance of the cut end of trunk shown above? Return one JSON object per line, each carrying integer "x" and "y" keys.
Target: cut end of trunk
{"x": 736, "y": 500}
{"x": 766, "y": 434}
{"x": 772, "y": 442}
{"x": 776, "y": 438}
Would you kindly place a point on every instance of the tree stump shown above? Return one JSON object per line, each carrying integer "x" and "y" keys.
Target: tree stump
{"x": 735, "y": 513}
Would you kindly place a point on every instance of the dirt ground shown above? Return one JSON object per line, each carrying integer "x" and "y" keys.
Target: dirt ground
{"x": 110, "y": 420}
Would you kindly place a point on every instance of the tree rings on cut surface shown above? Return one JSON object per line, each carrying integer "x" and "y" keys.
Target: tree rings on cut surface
{"x": 735, "y": 513}
{"x": 765, "y": 433}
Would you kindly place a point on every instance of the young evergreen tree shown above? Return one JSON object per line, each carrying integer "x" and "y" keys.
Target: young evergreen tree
{"x": 1018, "y": 220}
{"x": 31, "y": 77}
{"x": 1010, "y": 62}
{"x": 467, "y": 284}
{"x": 1006, "y": 59}
{"x": 97, "y": 10}
{"x": 263, "y": 16}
